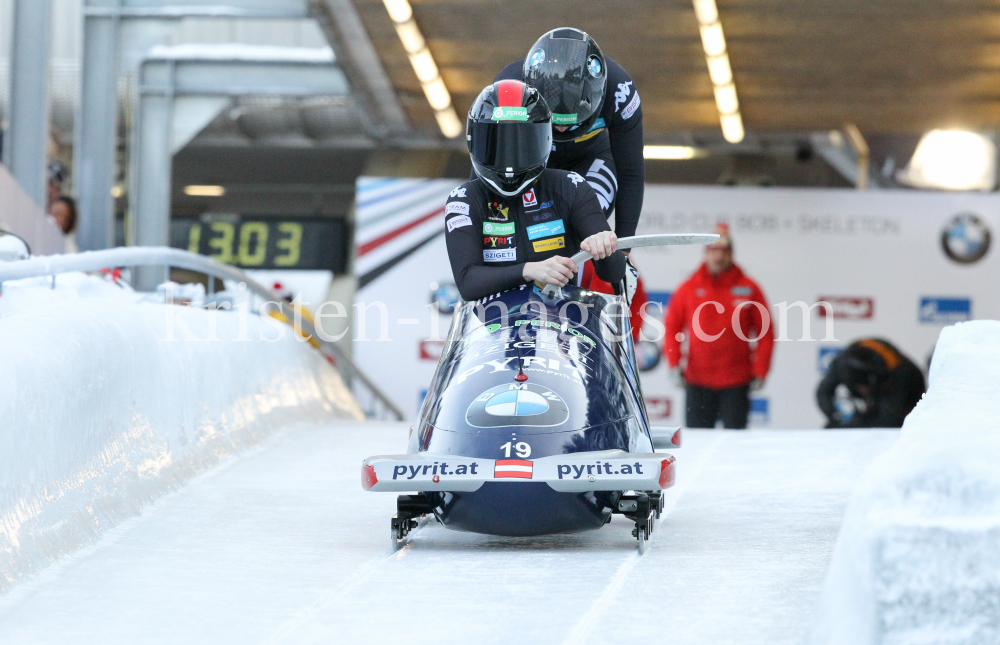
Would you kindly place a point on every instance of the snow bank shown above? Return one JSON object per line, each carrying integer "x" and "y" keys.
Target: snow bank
{"x": 917, "y": 560}
{"x": 101, "y": 412}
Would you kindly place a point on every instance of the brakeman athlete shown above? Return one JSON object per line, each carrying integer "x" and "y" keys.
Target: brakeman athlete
{"x": 596, "y": 117}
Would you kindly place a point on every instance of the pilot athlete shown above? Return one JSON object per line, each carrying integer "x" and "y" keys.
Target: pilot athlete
{"x": 596, "y": 118}
{"x": 518, "y": 221}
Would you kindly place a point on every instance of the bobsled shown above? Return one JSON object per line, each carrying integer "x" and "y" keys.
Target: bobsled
{"x": 534, "y": 422}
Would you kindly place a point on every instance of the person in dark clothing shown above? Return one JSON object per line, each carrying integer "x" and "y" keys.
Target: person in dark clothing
{"x": 597, "y": 119}
{"x": 518, "y": 221}
{"x": 871, "y": 384}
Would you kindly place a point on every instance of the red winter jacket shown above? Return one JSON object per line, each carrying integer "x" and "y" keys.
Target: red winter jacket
{"x": 727, "y": 361}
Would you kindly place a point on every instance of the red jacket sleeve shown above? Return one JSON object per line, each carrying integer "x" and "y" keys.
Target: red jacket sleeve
{"x": 761, "y": 361}
{"x": 674, "y": 322}
{"x": 635, "y": 310}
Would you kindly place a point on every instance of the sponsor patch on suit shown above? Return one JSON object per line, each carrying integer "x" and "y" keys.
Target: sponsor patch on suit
{"x": 549, "y": 245}
{"x": 456, "y": 207}
{"x": 546, "y": 229}
{"x": 499, "y": 255}
{"x": 459, "y": 222}
{"x": 632, "y": 106}
{"x": 489, "y": 228}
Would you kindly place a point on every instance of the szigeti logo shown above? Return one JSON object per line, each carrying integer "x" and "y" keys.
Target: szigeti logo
{"x": 965, "y": 238}
{"x": 517, "y": 404}
{"x": 945, "y": 311}
{"x": 847, "y": 307}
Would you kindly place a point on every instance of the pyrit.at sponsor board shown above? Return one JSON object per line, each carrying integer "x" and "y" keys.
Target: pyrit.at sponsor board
{"x": 893, "y": 264}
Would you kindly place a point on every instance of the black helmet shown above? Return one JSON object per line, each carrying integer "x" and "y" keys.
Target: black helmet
{"x": 568, "y": 68}
{"x": 510, "y": 136}
{"x": 868, "y": 362}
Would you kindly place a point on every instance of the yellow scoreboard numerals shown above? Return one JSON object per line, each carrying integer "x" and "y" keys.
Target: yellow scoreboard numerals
{"x": 291, "y": 245}
{"x": 222, "y": 245}
{"x": 194, "y": 238}
{"x": 246, "y": 244}
{"x": 248, "y": 231}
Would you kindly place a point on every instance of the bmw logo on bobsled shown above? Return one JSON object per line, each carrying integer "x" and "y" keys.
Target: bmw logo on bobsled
{"x": 533, "y": 424}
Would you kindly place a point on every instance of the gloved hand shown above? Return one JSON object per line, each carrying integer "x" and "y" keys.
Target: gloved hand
{"x": 757, "y": 385}
{"x": 677, "y": 377}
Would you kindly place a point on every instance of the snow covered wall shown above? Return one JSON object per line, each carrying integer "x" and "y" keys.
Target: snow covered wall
{"x": 917, "y": 560}
{"x": 100, "y": 412}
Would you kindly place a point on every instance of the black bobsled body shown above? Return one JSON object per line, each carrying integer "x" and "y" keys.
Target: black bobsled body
{"x": 580, "y": 394}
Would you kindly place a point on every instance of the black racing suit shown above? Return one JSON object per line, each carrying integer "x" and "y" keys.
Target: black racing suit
{"x": 609, "y": 155}
{"x": 491, "y": 237}
{"x": 898, "y": 386}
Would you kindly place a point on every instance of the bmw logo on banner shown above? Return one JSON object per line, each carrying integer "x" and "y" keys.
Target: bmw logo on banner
{"x": 517, "y": 404}
{"x": 966, "y": 238}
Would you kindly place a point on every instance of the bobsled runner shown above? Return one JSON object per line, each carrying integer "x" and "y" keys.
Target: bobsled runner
{"x": 534, "y": 422}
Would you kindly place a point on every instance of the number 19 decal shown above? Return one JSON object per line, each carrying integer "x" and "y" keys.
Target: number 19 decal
{"x": 522, "y": 449}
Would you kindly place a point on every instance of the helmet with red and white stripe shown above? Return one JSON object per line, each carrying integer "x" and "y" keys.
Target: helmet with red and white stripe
{"x": 509, "y": 134}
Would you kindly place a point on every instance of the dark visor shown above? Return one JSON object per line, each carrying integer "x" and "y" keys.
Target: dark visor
{"x": 563, "y": 62}
{"x": 510, "y": 147}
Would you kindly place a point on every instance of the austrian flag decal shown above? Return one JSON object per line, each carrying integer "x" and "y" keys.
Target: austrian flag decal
{"x": 512, "y": 468}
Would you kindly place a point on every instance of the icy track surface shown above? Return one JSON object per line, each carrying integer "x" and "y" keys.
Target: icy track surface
{"x": 282, "y": 546}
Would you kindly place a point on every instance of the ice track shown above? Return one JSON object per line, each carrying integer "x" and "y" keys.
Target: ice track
{"x": 282, "y": 546}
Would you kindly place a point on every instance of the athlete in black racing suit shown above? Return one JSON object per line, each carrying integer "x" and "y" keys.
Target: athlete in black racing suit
{"x": 519, "y": 222}
{"x": 605, "y": 146}
{"x": 491, "y": 237}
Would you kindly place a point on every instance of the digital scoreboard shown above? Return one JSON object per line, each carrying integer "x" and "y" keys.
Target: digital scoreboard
{"x": 265, "y": 242}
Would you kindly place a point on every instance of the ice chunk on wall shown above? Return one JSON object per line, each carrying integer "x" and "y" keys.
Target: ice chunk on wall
{"x": 99, "y": 414}
{"x": 918, "y": 557}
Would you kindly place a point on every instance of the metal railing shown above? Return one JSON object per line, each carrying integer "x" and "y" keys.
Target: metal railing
{"x": 373, "y": 401}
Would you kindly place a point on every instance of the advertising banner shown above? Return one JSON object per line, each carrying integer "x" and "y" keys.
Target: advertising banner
{"x": 897, "y": 265}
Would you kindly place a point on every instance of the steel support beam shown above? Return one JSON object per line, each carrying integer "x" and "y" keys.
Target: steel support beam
{"x": 95, "y": 134}
{"x": 28, "y": 135}
{"x": 96, "y": 131}
{"x": 174, "y": 75}
{"x": 356, "y": 55}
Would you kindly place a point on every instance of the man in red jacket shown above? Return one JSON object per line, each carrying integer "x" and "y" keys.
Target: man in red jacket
{"x": 723, "y": 316}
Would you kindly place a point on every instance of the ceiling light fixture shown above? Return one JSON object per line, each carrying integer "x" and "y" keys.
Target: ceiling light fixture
{"x": 952, "y": 160}
{"x": 671, "y": 152}
{"x": 424, "y": 66}
{"x": 713, "y": 41}
{"x": 205, "y": 191}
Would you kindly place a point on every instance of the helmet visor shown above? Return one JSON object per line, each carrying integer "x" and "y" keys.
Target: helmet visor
{"x": 559, "y": 70}
{"x": 510, "y": 147}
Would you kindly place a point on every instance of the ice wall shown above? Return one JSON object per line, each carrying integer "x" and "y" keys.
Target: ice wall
{"x": 918, "y": 557}
{"x": 100, "y": 412}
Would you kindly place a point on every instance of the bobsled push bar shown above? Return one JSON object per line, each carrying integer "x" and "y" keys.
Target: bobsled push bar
{"x": 639, "y": 241}
{"x": 573, "y": 473}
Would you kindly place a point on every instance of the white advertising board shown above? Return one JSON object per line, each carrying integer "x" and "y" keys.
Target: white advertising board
{"x": 898, "y": 265}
